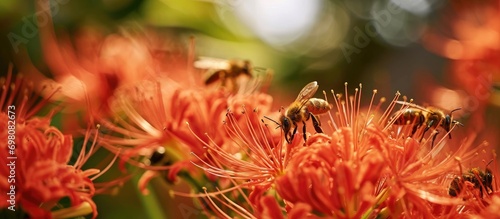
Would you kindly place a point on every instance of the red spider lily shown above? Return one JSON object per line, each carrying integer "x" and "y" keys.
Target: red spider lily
{"x": 20, "y": 93}
{"x": 252, "y": 155}
{"x": 336, "y": 174}
{"x": 113, "y": 61}
{"x": 40, "y": 171}
{"x": 367, "y": 167}
{"x": 490, "y": 210}
{"x": 321, "y": 176}
{"x": 154, "y": 115}
{"x": 90, "y": 66}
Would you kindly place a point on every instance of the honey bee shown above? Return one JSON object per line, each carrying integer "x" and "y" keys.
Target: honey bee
{"x": 158, "y": 158}
{"x": 429, "y": 117}
{"x": 223, "y": 70}
{"x": 303, "y": 108}
{"x": 476, "y": 178}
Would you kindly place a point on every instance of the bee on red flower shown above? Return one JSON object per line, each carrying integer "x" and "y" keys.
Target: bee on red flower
{"x": 427, "y": 117}
{"x": 474, "y": 178}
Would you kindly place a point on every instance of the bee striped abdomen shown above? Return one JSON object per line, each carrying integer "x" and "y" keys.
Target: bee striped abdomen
{"x": 317, "y": 106}
{"x": 410, "y": 116}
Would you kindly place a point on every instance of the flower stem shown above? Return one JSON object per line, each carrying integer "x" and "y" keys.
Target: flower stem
{"x": 150, "y": 201}
{"x": 381, "y": 197}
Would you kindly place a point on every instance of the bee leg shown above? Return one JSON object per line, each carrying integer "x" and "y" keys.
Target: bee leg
{"x": 414, "y": 129}
{"x": 429, "y": 125}
{"x": 287, "y": 138}
{"x": 293, "y": 133}
{"x": 316, "y": 123}
{"x": 434, "y": 138}
{"x": 304, "y": 130}
{"x": 222, "y": 76}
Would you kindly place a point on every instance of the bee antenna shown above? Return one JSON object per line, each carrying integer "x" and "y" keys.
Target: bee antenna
{"x": 279, "y": 125}
{"x": 259, "y": 68}
{"x": 489, "y": 163}
{"x": 459, "y": 108}
{"x": 455, "y": 121}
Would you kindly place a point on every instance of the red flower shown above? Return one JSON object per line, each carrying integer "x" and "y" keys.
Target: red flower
{"x": 250, "y": 154}
{"x": 367, "y": 167}
{"x": 155, "y": 114}
{"x": 90, "y": 66}
{"x": 39, "y": 175}
{"x": 329, "y": 178}
{"x": 490, "y": 210}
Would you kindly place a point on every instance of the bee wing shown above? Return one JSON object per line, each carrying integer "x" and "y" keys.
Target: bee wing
{"x": 413, "y": 105}
{"x": 212, "y": 63}
{"x": 307, "y": 92}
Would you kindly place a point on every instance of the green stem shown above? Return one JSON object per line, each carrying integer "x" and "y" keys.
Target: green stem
{"x": 381, "y": 197}
{"x": 150, "y": 201}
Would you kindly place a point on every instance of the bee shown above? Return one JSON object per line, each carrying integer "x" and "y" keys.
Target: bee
{"x": 223, "y": 70}
{"x": 156, "y": 161}
{"x": 158, "y": 158}
{"x": 429, "y": 117}
{"x": 474, "y": 177}
{"x": 301, "y": 110}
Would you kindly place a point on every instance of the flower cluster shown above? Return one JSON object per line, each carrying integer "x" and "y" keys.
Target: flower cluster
{"x": 41, "y": 173}
{"x": 367, "y": 166}
{"x": 161, "y": 116}
{"x": 153, "y": 112}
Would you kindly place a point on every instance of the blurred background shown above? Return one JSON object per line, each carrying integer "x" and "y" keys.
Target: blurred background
{"x": 440, "y": 53}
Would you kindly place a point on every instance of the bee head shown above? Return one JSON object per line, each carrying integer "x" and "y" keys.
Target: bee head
{"x": 449, "y": 122}
{"x": 246, "y": 67}
{"x": 158, "y": 157}
{"x": 286, "y": 126}
{"x": 488, "y": 178}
